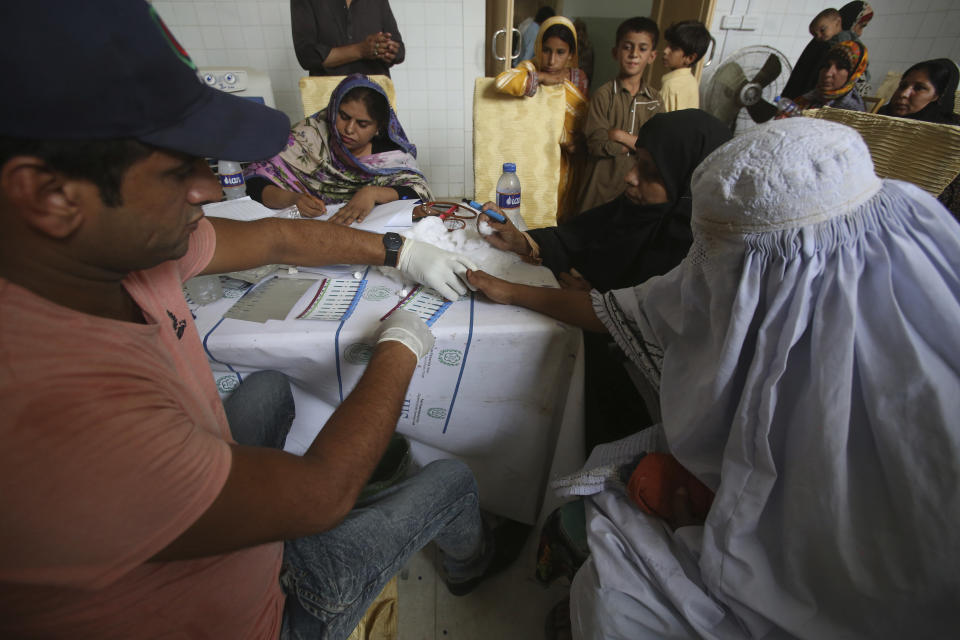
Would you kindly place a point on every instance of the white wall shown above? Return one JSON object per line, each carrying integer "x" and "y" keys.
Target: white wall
{"x": 444, "y": 43}
{"x": 901, "y": 33}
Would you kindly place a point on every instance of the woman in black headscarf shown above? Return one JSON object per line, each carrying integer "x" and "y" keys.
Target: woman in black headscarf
{"x": 643, "y": 233}
{"x": 926, "y": 92}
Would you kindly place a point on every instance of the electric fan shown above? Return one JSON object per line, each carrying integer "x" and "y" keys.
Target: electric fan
{"x": 740, "y": 92}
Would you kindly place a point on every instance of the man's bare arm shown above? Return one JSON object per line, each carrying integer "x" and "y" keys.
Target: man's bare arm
{"x": 273, "y": 495}
{"x": 244, "y": 245}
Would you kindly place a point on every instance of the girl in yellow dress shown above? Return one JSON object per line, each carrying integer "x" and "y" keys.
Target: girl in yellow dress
{"x": 555, "y": 62}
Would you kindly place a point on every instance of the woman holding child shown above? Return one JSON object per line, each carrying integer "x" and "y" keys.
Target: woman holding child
{"x": 555, "y": 62}
{"x": 840, "y": 70}
{"x": 354, "y": 151}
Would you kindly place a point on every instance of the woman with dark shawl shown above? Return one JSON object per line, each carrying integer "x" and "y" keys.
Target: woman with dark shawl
{"x": 639, "y": 234}
{"x": 643, "y": 233}
{"x": 927, "y": 92}
{"x": 354, "y": 151}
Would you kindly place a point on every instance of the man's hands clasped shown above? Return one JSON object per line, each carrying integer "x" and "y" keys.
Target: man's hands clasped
{"x": 380, "y": 46}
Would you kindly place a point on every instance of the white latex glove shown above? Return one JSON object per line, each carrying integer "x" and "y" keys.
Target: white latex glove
{"x": 407, "y": 328}
{"x": 437, "y": 268}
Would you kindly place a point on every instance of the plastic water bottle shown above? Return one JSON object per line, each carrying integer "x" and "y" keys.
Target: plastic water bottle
{"x": 508, "y": 191}
{"x": 786, "y": 108}
{"x": 231, "y": 179}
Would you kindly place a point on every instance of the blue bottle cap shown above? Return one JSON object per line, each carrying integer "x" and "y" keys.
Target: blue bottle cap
{"x": 509, "y": 167}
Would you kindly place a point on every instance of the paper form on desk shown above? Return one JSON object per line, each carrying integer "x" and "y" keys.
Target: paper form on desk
{"x": 390, "y": 215}
{"x": 244, "y": 209}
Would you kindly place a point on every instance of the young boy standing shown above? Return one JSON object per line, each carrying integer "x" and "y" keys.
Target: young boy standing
{"x": 687, "y": 42}
{"x": 617, "y": 111}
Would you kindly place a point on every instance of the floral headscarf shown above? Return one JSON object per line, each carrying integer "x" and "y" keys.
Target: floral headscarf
{"x": 856, "y": 54}
{"x": 316, "y": 161}
{"x": 394, "y": 130}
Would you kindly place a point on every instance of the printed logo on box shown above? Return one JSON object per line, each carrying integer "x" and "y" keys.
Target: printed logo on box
{"x": 375, "y": 293}
{"x": 228, "y": 383}
{"x": 508, "y": 200}
{"x": 231, "y": 179}
{"x": 437, "y": 412}
{"x": 358, "y": 353}
{"x": 450, "y": 357}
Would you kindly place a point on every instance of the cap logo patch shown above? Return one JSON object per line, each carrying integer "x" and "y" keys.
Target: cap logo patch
{"x": 177, "y": 49}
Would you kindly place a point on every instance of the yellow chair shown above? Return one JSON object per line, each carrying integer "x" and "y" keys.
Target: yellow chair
{"x": 525, "y": 131}
{"x": 380, "y": 622}
{"x": 924, "y": 153}
{"x": 315, "y": 91}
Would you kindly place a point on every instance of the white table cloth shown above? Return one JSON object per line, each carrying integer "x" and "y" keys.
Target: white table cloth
{"x": 501, "y": 387}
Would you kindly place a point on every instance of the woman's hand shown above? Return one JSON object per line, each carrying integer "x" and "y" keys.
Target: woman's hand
{"x": 310, "y": 206}
{"x": 358, "y": 208}
{"x": 494, "y": 288}
{"x": 551, "y": 77}
{"x": 505, "y": 235}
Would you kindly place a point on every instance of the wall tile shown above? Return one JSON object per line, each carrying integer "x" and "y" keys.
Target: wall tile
{"x": 186, "y": 13}
{"x": 253, "y": 38}
{"x": 271, "y": 13}
{"x": 932, "y": 22}
{"x": 212, "y": 37}
{"x": 207, "y": 14}
{"x": 233, "y": 37}
{"x": 249, "y": 13}
{"x": 276, "y": 36}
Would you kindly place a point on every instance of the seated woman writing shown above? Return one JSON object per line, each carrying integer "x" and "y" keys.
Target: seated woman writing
{"x": 354, "y": 151}
{"x": 840, "y": 70}
{"x": 804, "y": 378}
{"x": 643, "y": 233}
{"x": 555, "y": 62}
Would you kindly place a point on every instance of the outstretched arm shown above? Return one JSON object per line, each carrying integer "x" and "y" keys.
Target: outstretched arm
{"x": 567, "y": 305}
{"x": 244, "y": 245}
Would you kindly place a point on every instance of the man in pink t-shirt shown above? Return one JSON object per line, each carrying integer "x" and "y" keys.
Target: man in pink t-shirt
{"x": 128, "y": 508}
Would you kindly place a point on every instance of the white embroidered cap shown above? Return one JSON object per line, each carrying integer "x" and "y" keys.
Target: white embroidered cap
{"x": 785, "y": 174}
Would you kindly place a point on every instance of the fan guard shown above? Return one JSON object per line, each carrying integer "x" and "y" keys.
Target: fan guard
{"x": 740, "y": 92}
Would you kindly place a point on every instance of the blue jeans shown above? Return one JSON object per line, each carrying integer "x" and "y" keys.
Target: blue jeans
{"x": 331, "y": 578}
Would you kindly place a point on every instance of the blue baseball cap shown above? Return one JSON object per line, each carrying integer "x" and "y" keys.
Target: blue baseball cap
{"x": 108, "y": 69}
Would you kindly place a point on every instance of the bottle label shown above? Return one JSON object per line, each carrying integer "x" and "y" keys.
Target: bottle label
{"x": 508, "y": 200}
{"x": 231, "y": 179}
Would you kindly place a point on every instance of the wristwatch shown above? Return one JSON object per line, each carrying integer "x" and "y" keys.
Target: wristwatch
{"x": 392, "y": 243}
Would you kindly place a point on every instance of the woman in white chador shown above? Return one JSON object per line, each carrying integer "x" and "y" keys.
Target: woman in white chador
{"x": 807, "y": 359}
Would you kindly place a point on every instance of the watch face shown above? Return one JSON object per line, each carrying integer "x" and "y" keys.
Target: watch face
{"x": 392, "y": 241}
